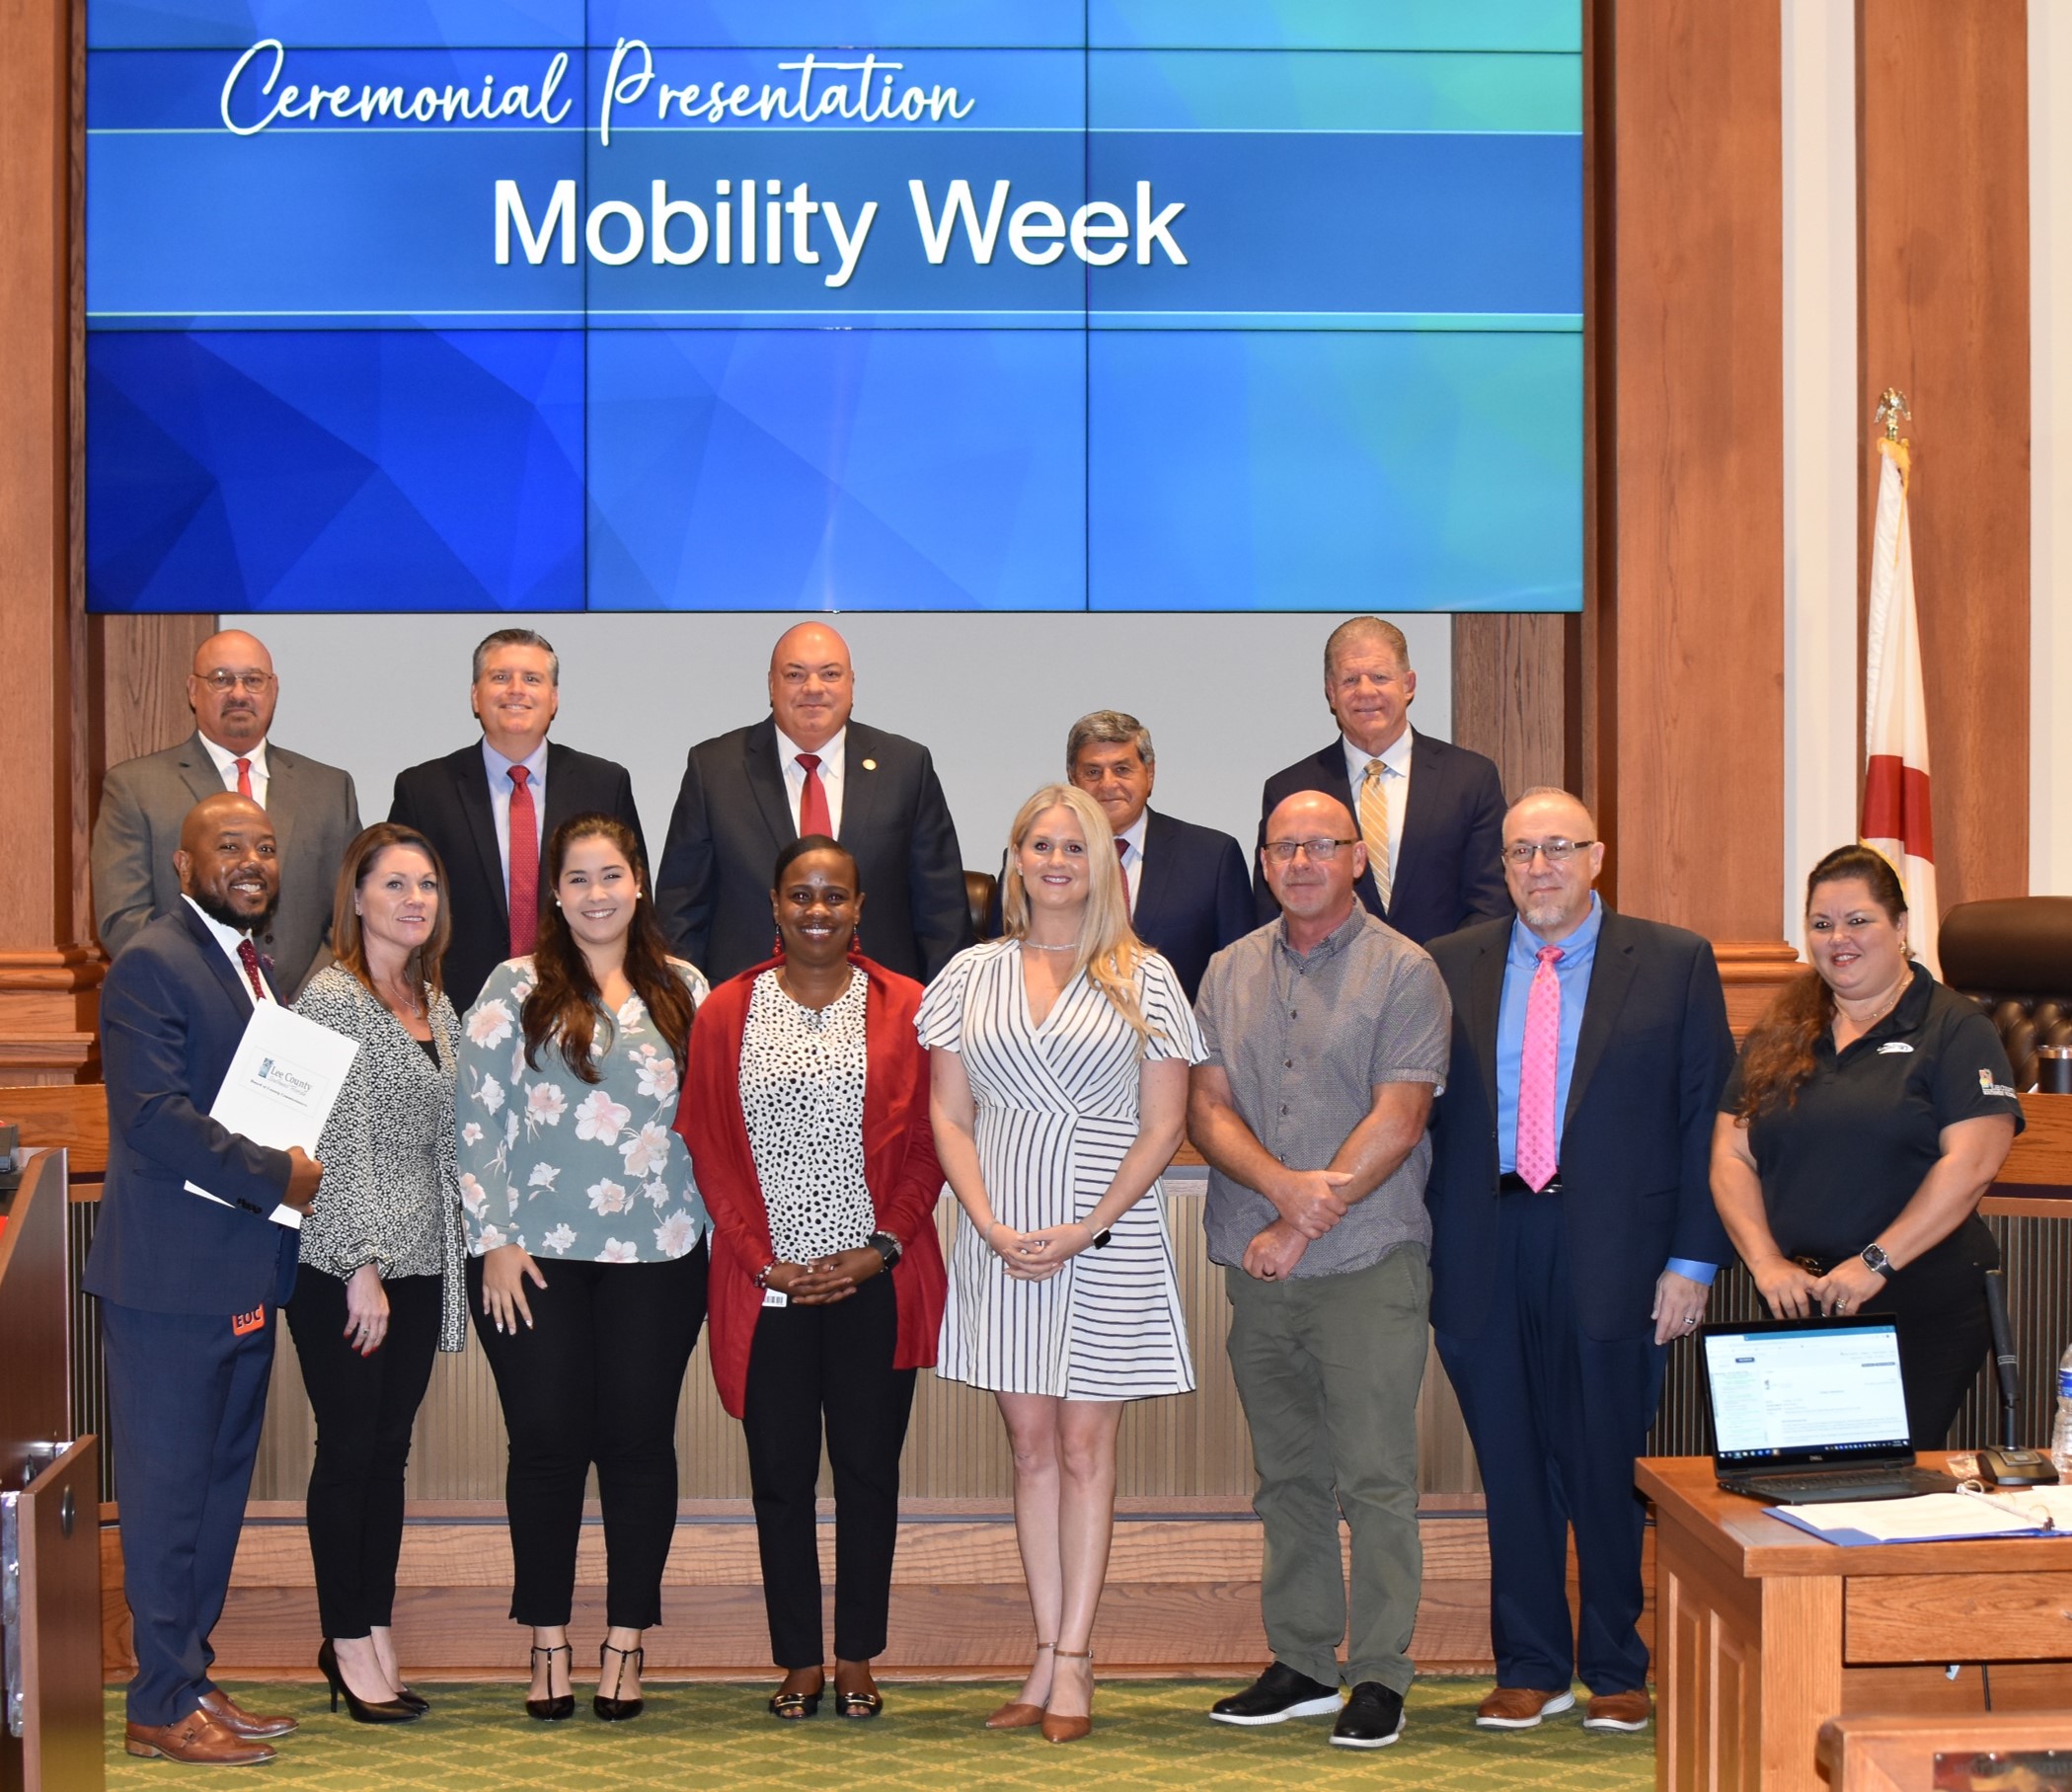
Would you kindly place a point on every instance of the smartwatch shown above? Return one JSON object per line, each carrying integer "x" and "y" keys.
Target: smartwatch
{"x": 1102, "y": 1237}
{"x": 887, "y": 1246}
{"x": 1874, "y": 1255}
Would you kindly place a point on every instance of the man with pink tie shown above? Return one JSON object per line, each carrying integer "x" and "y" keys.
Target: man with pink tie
{"x": 1573, "y": 1236}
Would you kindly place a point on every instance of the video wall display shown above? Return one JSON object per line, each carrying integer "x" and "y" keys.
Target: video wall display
{"x": 833, "y": 304}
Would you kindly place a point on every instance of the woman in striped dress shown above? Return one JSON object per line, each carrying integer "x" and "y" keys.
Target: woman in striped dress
{"x": 1059, "y": 1060}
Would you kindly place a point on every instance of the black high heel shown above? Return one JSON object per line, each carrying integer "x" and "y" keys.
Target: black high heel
{"x": 553, "y": 1709}
{"x": 618, "y": 1710}
{"x": 417, "y": 1701}
{"x": 363, "y": 1711}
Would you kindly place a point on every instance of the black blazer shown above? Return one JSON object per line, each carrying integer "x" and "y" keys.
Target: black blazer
{"x": 447, "y": 801}
{"x": 1637, "y": 1133}
{"x": 1449, "y": 870}
{"x": 172, "y": 1009}
{"x": 732, "y": 817}
{"x": 1193, "y": 899}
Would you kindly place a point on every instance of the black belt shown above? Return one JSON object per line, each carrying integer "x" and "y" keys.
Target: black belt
{"x": 1510, "y": 1183}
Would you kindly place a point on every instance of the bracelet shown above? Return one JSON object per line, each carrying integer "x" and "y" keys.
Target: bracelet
{"x": 762, "y": 1276}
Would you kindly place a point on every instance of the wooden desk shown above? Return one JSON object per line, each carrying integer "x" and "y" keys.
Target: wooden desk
{"x": 1763, "y": 1633}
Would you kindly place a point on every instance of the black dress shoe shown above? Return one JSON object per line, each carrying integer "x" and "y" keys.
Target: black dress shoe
{"x": 1372, "y": 1718}
{"x": 1276, "y": 1696}
{"x": 417, "y": 1701}
{"x": 609, "y": 1707}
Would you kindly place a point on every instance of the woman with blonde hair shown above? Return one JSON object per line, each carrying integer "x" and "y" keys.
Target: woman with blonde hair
{"x": 1058, "y": 1064}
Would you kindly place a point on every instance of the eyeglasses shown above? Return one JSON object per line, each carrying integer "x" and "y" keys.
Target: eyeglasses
{"x": 224, "y": 684}
{"x": 1282, "y": 851}
{"x": 1558, "y": 852}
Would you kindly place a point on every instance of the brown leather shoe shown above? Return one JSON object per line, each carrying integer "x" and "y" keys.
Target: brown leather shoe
{"x": 1620, "y": 1711}
{"x": 1520, "y": 1707}
{"x": 197, "y": 1739}
{"x": 232, "y": 1716}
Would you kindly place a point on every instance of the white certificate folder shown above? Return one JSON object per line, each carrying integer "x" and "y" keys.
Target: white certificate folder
{"x": 280, "y": 1088}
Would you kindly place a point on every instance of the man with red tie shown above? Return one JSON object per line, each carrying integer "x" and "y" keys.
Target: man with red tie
{"x": 808, "y": 768}
{"x": 491, "y": 807}
{"x": 314, "y": 809}
{"x": 1573, "y": 1236}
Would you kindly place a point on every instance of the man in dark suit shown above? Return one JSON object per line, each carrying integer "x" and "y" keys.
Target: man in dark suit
{"x": 1429, "y": 812}
{"x": 1574, "y": 1235}
{"x": 808, "y": 768}
{"x": 314, "y": 814}
{"x": 464, "y": 805}
{"x": 191, "y": 1287}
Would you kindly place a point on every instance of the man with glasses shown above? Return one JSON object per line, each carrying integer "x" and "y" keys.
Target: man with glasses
{"x": 1573, "y": 1236}
{"x": 1327, "y": 1034}
{"x": 312, "y": 806}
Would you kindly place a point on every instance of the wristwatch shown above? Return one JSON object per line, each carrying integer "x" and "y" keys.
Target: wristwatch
{"x": 887, "y": 1246}
{"x": 1102, "y": 1237}
{"x": 1874, "y": 1255}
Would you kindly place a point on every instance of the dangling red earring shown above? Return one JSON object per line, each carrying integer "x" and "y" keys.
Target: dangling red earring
{"x": 776, "y": 943}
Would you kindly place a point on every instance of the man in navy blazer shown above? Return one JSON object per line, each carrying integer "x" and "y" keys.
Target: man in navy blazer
{"x": 1429, "y": 812}
{"x": 748, "y": 793}
{"x": 1574, "y": 1235}
{"x": 191, "y": 1288}
{"x": 462, "y": 804}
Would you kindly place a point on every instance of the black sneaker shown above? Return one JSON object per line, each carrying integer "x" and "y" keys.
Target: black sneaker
{"x": 1372, "y": 1718}
{"x": 1276, "y": 1696}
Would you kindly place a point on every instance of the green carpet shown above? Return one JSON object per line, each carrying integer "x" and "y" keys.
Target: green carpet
{"x": 1147, "y": 1732}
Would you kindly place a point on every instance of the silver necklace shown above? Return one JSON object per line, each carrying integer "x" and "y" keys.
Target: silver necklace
{"x": 1039, "y": 946}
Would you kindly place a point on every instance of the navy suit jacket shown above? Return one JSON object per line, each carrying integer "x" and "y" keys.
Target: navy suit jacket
{"x": 447, "y": 801}
{"x": 1449, "y": 869}
{"x": 1636, "y": 1131}
{"x": 172, "y": 1009}
{"x": 734, "y": 817}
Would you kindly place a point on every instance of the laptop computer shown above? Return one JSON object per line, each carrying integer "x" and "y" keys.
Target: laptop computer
{"x": 1806, "y": 1410}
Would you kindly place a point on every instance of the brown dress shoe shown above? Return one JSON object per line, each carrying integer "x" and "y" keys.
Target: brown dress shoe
{"x": 197, "y": 1739}
{"x": 1520, "y": 1707}
{"x": 1059, "y": 1729}
{"x": 232, "y": 1716}
{"x": 1619, "y": 1711}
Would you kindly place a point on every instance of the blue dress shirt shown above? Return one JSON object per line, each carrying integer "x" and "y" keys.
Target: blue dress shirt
{"x": 498, "y": 767}
{"x": 1573, "y": 971}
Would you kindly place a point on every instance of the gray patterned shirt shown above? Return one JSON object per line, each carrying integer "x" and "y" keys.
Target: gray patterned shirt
{"x": 1304, "y": 1038}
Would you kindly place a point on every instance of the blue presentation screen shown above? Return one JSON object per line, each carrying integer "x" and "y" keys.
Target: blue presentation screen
{"x": 833, "y": 304}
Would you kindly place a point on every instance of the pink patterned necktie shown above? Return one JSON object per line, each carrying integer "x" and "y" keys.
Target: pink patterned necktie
{"x": 1539, "y": 1073}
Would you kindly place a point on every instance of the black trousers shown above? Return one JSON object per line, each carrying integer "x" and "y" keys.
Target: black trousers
{"x": 1940, "y": 1302}
{"x": 811, "y": 1363}
{"x": 364, "y": 1407}
{"x": 596, "y": 1377}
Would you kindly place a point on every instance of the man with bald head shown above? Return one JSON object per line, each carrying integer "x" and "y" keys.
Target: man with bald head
{"x": 808, "y": 768}
{"x": 1574, "y": 1237}
{"x": 314, "y": 814}
{"x": 1327, "y": 1034}
{"x": 491, "y": 806}
{"x": 190, "y": 1286}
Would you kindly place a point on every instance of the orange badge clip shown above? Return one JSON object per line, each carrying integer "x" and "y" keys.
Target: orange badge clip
{"x": 244, "y": 1324}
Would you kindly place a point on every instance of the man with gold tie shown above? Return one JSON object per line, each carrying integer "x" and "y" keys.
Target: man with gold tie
{"x": 1430, "y": 812}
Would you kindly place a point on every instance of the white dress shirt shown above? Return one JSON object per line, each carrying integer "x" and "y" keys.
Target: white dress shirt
{"x": 1395, "y": 780}
{"x": 230, "y": 940}
{"x": 226, "y": 765}
{"x": 834, "y": 760}
{"x": 1133, "y": 860}
{"x": 534, "y": 763}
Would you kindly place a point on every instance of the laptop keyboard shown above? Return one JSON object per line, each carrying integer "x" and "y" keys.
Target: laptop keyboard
{"x": 1842, "y": 1484}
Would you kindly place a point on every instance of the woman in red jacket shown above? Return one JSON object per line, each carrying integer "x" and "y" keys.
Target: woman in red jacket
{"x": 805, "y": 1111}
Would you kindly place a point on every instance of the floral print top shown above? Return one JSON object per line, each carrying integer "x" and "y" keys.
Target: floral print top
{"x": 564, "y": 1167}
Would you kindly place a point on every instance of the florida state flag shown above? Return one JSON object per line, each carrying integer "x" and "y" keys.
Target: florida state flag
{"x": 1895, "y": 819}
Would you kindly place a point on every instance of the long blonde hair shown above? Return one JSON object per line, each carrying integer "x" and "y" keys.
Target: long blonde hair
{"x": 1109, "y": 951}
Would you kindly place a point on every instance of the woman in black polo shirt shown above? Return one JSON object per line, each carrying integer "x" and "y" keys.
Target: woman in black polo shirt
{"x": 1870, "y": 1109}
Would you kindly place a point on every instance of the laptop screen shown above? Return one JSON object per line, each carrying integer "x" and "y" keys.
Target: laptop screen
{"x": 1817, "y": 1392}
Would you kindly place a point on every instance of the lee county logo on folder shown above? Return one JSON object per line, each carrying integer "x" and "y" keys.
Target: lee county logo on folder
{"x": 280, "y": 1087}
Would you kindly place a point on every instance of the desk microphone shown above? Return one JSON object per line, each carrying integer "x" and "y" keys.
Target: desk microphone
{"x": 2010, "y": 1465}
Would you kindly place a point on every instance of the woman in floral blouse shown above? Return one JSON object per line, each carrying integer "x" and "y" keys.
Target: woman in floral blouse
{"x": 586, "y": 1240}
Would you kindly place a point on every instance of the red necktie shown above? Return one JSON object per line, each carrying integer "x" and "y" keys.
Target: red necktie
{"x": 1129, "y": 907}
{"x": 524, "y": 865}
{"x": 247, "y": 956}
{"x": 1539, "y": 1074}
{"x": 245, "y": 780}
{"x": 812, "y": 800}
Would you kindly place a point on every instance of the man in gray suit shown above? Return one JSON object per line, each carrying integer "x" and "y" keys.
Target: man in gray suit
{"x": 312, "y": 806}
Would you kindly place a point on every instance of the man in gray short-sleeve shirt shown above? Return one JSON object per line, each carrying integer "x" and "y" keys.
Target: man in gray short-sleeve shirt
{"x": 1328, "y": 1037}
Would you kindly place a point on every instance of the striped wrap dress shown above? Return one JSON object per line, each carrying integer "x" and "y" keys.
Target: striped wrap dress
{"x": 1056, "y": 1110}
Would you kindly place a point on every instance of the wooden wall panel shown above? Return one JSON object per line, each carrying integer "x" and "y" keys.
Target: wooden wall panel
{"x": 1684, "y": 644}
{"x": 140, "y": 666}
{"x": 1511, "y": 695}
{"x": 1943, "y": 271}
